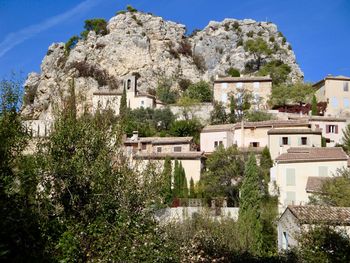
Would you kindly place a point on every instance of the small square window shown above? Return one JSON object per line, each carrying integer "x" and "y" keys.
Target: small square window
{"x": 143, "y": 146}
{"x": 303, "y": 140}
{"x": 254, "y": 144}
{"x": 284, "y": 140}
{"x": 216, "y": 144}
{"x": 177, "y": 149}
{"x": 346, "y": 86}
{"x": 159, "y": 149}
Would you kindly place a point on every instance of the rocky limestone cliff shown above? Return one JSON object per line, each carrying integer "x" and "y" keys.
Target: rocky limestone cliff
{"x": 153, "y": 49}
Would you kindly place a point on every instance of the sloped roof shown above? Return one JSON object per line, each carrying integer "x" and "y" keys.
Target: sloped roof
{"x": 314, "y": 184}
{"x": 294, "y": 131}
{"x": 309, "y": 154}
{"x": 173, "y": 155}
{"x": 321, "y": 214}
{"x": 218, "y": 128}
{"x": 272, "y": 123}
{"x": 160, "y": 140}
{"x": 244, "y": 79}
{"x": 330, "y": 77}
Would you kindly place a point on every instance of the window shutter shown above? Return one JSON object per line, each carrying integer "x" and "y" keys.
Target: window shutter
{"x": 289, "y": 140}
{"x": 327, "y": 128}
{"x": 336, "y": 128}
{"x": 299, "y": 140}
{"x": 280, "y": 141}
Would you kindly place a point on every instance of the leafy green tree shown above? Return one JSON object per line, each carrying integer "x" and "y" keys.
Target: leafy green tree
{"x": 188, "y": 107}
{"x": 182, "y": 128}
{"x": 323, "y": 244}
{"x": 165, "y": 93}
{"x": 70, "y": 44}
{"x": 277, "y": 70}
{"x": 335, "y": 191}
{"x": 163, "y": 118}
{"x": 201, "y": 91}
{"x": 98, "y": 25}
{"x": 250, "y": 209}
{"x": 233, "y": 72}
{"x": 224, "y": 171}
{"x": 259, "y": 49}
{"x": 265, "y": 160}
{"x": 314, "y": 110}
{"x": 346, "y": 139}
{"x": 192, "y": 189}
{"x": 167, "y": 174}
{"x": 218, "y": 114}
{"x": 233, "y": 107}
{"x": 256, "y": 115}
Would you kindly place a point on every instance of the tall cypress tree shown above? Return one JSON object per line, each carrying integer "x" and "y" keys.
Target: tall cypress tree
{"x": 192, "y": 190}
{"x": 346, "y": 139}
{"x": 123, "y": 104}
{"x": 314, "y": 110}
{"x": 177, "y": 180}
{"x": 167, "y": 176}
{"x": 232, "y": 114}
{"x": 266, "y": 161}
{"x": 184, "y": 188}
{"x": 250, "y": 209}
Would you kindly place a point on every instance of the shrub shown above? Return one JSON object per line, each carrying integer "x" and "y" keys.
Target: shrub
{"x": 277, "y": 70}
{"x": 131, "y": 9}
{"x": 272, "y": 39}
{"x": 184, "y": 84}
{"x": 70, "y": 44}
{"x": 260, "y": 33}
{"x": 218, "y": 114}
{"x": 172, "y": 51}
{"x": 185, "y": 48}
{"x": 120, "y": 12}
{"x": 284, "y": 40}
{"x": 182, "y": 128}
{"x": 233, "y": 72}
{"x": 165, "y": 93}
{"x": 98, "y": 25}
{"x": 258, "y": 116}
{"x": 289, "y": 47}
{"x": 201, "y": 91}
{"x": 250, "y": 34}
{"x": 199, "y": 61}
{"x": 235, "y": 25}
{"x": 239, "y": 42}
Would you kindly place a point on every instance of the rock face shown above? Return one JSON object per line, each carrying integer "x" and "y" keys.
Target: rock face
{"x": 150, "y": 47}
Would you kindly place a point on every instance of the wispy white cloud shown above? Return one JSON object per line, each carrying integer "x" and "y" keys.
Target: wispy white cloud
{"x": 13, "y": 39}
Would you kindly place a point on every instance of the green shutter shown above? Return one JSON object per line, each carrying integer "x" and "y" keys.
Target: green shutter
{"x": 290, "y": 177}
{"x": 299, "y": 141}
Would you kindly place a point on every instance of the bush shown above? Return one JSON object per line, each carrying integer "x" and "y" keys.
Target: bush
{"x": 184, "y": 84}
{"x": 98, "y": 25}
{"x": 70, "y": 44}
{"x": 218, "y": 114}
{"x": 165, "y": 93}
{"x": 272, "y": 39}
{"x": 199, "y": 61}
{"x": 258, "y": 116}
{"x": 201, "y": 91}
{"x": 131, "y": 9}
{"x": 250, "y": 34}
{"x": 277, "y": 70}
{"x": 235, "y": 25}
{"x": 239, "y": 43}
{"x": 183, "y": 128}
{"x": 120, "y": 12}
{"x": 185, "y": 48}
{"x": 233, "y": 72}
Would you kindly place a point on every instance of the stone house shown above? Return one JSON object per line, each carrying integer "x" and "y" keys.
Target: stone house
{"x": 291, "y": 171}
{"x": 108, "y": 99}
{"x": 258, "y": 87}
{"x": 297, "y": 219}
{"x": 335, "y": 91}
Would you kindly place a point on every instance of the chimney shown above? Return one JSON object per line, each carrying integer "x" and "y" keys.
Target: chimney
{"x": 135, "y": 136}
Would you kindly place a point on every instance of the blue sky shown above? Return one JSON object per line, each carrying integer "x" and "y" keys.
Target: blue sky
{"x": 317, "y": 29}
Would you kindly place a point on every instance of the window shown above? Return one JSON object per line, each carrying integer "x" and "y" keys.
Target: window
{"x": 142, "y": 103}
{"x": 323, "y": 171}
{"x": 346, "y": 86}
{"x": 217, "y": 143}
{"x": 285, "y": 141}
{"x": 159, "y": 149}
{"x": 290, "y": 177}
{"x": 290, "y": 198}
{"x": 334, "y": 102}
{"x": 143, "y": 146}
{"x": 128, "y": 85}
{"x": 254, "y": 144}
{"x": 331, "y": 128}
{"x": 177, "y": 149}
{"x": 285, "y": 241}
{"x": 303, "y": 140}
{"x": 346, "y": 102}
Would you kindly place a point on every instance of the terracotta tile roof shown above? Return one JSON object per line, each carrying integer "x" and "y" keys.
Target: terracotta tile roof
{"x": 309, "y": 154}
{"x": 294, "y": 131}
{"x": 314, "y": 184}
{"x": 273, "y": 123}
{"x": 243, "y": 79}
{"x": 173, "y": 155}
{"x": 160, "y": 140}
{"x": 218, "y": 128}
{"x": 321, "y": 214}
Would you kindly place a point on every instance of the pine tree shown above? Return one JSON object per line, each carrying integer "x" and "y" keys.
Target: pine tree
{"x": 232, "y": 114}
{"x": 314, "y": 110}
{"x": 249, "y": 212}
{"x": 192, "y": 190}
{"x": 167, "y": 176}
{"x": 123, "y": 104}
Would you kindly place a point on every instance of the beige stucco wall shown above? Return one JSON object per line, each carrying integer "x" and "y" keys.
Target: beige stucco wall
{"x": 243, "y": 139}
{"x": 222, "y": 91}
{"x": 207, "y": 140}
{"x": 139, "y": 101}
{"x": 169, "y": 148}
{"x": 336, "y": 138}
{"x": 192, "y": 167}
{"x": 287, "y": 224}
{"x": 275, "y": 147}
{"x": 302, "y": 171}
{"x": 333, "y": 89}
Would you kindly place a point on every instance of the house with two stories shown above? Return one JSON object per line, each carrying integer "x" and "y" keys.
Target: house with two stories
{"x": 290, "y": 174}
